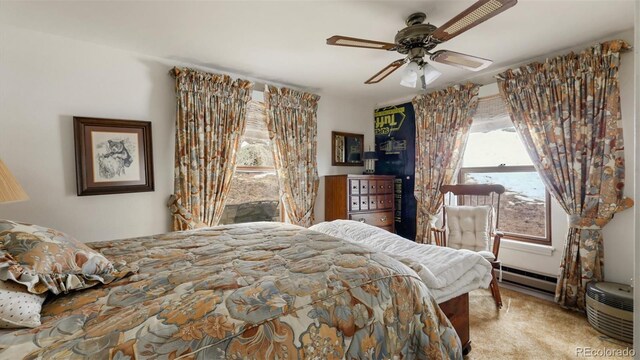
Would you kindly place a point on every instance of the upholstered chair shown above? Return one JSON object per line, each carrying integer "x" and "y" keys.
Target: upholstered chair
{"x": 471, "y": 224}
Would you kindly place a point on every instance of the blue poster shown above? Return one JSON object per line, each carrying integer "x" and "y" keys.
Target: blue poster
{"x": 395, "y": 134}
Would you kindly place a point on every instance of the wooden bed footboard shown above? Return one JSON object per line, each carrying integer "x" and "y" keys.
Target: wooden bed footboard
{"x": 457, "y": 310}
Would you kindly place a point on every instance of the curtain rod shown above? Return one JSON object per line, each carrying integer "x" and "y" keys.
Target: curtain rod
{"x": 175, "y": 71}
{"x": 575, "y": 50}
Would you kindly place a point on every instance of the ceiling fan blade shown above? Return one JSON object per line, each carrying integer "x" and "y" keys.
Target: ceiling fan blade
{"x": 380, "y": 75}
{"x": 476, "y": 14}
{"x": 361, "y": 43}
{"x": 460, "y": 60}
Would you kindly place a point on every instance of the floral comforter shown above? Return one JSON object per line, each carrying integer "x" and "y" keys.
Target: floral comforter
{"x": 248, "y": 291}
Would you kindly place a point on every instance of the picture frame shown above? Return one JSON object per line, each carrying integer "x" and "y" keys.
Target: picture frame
{"x": 112, "y": 156}
{"x": 347, "y": 149}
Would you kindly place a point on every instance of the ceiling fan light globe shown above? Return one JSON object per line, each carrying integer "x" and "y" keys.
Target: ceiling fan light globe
{"x": 409, "y": 83}
{"x": 410, "y": 75}
{"x": 430, "y": 73}
{"x": 409, "y": 79}
{"x": 412, "y": 68}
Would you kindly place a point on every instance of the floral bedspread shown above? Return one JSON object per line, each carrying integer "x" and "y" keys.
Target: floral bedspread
{"x": 248, "y": 291}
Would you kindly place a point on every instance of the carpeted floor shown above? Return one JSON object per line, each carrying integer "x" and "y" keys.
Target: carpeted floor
{"x": 529, "y": 328}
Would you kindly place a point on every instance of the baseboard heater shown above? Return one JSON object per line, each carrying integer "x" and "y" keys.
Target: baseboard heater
{"x": 529, "y": 279}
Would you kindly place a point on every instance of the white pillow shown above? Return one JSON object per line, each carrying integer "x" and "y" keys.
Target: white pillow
{"x": 18, "y": 307}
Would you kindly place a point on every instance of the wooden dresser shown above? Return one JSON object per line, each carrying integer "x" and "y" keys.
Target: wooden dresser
{"x": 365, "y": 198}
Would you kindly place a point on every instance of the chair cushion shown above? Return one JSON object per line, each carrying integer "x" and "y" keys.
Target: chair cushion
{"x": 468, "y": 227}
{"x": 44, "y": 259}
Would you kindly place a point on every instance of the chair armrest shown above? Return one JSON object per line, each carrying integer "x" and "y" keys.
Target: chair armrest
{"x": 497, "y": 237}
{"x": 439, "y": 236}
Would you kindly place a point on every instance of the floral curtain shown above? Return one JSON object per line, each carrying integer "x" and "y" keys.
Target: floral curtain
{"x": 443, "y": 119}
{"x": 210, "y": 120}
{"x": 567, "y": 112}
{"x": 292, "y": 123}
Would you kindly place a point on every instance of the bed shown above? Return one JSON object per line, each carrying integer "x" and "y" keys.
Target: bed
{"x": 449, "y": 274}
{"x": 259, "y": 290}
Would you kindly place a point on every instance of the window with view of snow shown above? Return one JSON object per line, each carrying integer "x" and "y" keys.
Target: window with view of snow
{"x": 254, "y": 189}
{"x": 496, "y": 155}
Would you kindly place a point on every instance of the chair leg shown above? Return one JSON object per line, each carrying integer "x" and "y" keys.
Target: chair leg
{"x": 495, "y": 290}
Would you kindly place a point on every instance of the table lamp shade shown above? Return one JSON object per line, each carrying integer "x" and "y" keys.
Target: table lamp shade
{"x": 10, "y": 190}
{"x": 370, "y": 155}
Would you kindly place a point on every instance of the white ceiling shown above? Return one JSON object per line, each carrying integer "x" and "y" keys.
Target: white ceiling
{"x": 284, "y": 41}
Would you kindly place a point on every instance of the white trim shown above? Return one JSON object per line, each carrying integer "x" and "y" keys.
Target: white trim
{"x": 537, "y": 249}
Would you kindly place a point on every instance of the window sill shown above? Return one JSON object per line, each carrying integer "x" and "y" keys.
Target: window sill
{"x": 537, "y": 249}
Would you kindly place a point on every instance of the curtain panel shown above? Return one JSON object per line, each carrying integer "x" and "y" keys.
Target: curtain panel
{"x": 443, "y": 120}
{"x": 210, "y": 120}
{"x": 292, "y": 124}
{"x": 567, "y": 112}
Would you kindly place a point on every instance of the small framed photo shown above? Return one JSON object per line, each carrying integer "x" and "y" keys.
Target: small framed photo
{"x": 113, "y": 156}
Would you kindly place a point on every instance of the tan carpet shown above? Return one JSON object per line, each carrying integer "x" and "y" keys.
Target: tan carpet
{"x": 529, "y": 328}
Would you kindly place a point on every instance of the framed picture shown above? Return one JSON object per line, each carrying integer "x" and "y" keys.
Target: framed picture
{"x": 347, "y": 149}
{"x": 112, "y": 156}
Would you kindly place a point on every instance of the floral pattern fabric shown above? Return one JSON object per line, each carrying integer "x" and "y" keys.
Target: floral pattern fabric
{"x": 443, "y": 120}
{"x": 567, "y": 112}
{"x": 182, "y": 216}
{"x": 293, "y": 129}
{"x": 246, "y": 291}
{"x": 210, "y": 120}
{"x": 44, "y": 259}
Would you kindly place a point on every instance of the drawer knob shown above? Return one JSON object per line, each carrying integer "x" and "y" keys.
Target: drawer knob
{"x": 384, "y": 218}
{"x": 362, "y": 221}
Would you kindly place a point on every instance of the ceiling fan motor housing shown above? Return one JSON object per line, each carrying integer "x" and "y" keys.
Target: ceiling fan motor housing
{"x": 415, "y": 35}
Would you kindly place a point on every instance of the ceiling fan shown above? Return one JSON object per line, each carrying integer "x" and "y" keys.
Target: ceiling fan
{"x": 418, "y": 39}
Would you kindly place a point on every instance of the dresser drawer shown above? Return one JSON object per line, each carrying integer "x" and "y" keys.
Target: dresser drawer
{"x": 364, "y": 187}
{"x": 385, "y": 202}
{"x": 385, "y": 187}
{"x": 381, "y": 219}
{"x": 373, "y": 202}
{"x": 354, "y": 186}
{"x": 354, "y": 204}
{"x": 373, "y": 186}
{"x": 364, "y": 203}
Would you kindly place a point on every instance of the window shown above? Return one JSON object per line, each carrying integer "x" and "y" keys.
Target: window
{"x": 254, "y": 193}
{"x": 496, "y": 155}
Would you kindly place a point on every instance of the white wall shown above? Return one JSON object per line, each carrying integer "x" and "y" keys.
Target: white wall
{"x": 620, "y": 234}
{"x": 45, "y": 80}
{"x": 338, "y": 114}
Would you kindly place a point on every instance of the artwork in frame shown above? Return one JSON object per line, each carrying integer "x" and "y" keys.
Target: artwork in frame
{"x": 113, "y": 156}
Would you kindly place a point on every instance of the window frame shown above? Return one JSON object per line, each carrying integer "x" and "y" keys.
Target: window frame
{"x": 255, "y": 112}
{"x": 255, "y": 168}
{"x": 546, "y": 240}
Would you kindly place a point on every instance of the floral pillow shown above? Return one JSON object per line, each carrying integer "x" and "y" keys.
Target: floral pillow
{"x": 44, "y": 260}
